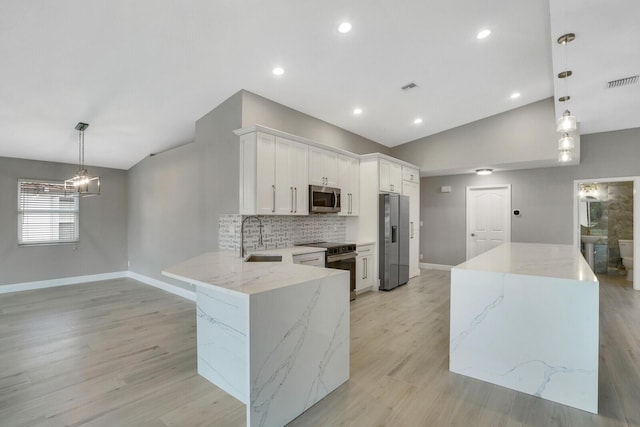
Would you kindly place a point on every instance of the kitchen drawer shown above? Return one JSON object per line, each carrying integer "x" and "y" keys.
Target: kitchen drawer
{"x": 315, "y": 259}
{"x": 364, "y": 250}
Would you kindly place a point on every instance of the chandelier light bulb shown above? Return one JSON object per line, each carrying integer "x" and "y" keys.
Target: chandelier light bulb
{"x": 566, "y": 142}
{"x": 567, "y": 122}
{"x": 565, "y": 156}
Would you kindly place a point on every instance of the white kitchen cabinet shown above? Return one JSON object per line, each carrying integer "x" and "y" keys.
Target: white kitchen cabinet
{"x": 323, "y": 167}
{"x": 412, "y": 190}
{"x": 410, "y": 174}
{"x": 365, "y": 267}
{"x": 273, "y": 175}
{"x": 349, "y": 184}
{"x": 315, "y": 259}
{"x": 390, "y": 175}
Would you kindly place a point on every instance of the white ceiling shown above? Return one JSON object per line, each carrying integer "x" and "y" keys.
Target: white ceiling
{"x": 140, "y": 73}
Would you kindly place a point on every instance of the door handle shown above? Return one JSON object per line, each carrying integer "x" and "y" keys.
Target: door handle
{"x": 295, "y": 205}
{"x": 274, "y": 198}
{"x": 335, "y": 200}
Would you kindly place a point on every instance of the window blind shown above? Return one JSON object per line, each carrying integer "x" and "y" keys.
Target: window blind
{"x": 46, "y": 214}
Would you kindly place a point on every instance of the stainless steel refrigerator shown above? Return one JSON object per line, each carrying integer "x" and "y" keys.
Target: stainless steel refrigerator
{"x": 394, "y": 240}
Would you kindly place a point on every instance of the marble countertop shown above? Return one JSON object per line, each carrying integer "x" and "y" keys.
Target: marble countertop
{"x": 533, "y": 259}
{"x": 226, "y": 271}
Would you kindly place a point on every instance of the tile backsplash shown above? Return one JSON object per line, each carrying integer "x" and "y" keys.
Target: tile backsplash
{"x": 280, "y": 231}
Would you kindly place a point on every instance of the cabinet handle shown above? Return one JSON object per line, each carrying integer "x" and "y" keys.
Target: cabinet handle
{"x": 366, "y": 267}
{"x": 274, "y": 198}
{"x": 411, "y": 222}
{"x": 391, "y": 185}
{"x": 310, "y": 260}
{"x": 350, "y": 203}
{"x": 295, "y": 205}
{"x": 291, "y": 189}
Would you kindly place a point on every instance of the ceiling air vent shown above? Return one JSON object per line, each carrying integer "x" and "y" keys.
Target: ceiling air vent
{"x": 623, "y": 82}
{"x": 409, "y": 86}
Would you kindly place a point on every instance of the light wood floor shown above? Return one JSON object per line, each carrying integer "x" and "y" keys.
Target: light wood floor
{"x": 119, "y": 353}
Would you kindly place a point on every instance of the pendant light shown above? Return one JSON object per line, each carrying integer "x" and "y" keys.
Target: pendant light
{"x": 83, "y": 183}
{"x": 567, "y": 122}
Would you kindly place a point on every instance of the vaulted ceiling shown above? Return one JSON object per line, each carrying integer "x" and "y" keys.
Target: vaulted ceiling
{"x": 140, "y": 73}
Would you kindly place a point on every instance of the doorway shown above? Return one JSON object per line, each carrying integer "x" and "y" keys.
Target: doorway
{"x": 488, "y": 218}
{"x": 606, "y": 223}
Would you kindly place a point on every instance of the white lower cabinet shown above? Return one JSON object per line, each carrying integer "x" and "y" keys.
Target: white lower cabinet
{"x": 315, "y": 259}
{"x": 365, "y": 267}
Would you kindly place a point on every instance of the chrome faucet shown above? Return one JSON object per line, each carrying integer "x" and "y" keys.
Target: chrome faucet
{"x": 242, "y": 251}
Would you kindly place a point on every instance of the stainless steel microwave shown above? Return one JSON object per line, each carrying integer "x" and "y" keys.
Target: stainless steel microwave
{"x": 324, "y": 199}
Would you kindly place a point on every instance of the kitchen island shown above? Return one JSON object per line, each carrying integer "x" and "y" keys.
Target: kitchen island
{"x": 525, "y": 316}
{"x": 275, "y": 335}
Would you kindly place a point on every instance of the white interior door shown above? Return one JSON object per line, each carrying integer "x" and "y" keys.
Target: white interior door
{"x": 488, "y": 218}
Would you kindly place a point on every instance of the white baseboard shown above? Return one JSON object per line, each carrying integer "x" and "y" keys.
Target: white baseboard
{"x": 173, "y": 289}
{"x": 443, "y": 267}
{"x": 41, "y": 284}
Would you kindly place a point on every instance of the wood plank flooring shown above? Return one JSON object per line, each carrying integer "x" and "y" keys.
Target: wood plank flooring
{"x": 120, "y": 353}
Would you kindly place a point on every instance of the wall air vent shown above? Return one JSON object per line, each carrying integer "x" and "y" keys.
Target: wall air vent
{"x": 623, "y": 82}
{"x": 409, "y": 86}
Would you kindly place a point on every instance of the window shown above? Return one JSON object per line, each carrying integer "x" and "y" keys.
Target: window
{"x": 46, "y": 215}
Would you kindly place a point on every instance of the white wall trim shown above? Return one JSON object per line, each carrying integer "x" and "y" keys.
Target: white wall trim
{"x": 442, "y": 267}
{"x": 41, "y": 284}
{"x": 172, "y": 289}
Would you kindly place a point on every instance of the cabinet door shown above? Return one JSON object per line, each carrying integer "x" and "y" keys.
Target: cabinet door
{"x": 349, "y": 184}
{"x": 395, "y": 178}
{"x": 299, "y": 166}
{"x": 412, "y": 190}
{"x": 323, "y": 167}
{"x": 385, "y": 175}
{"x": 330, "y": 167}
{"x": 410, "y": 174}
{"x": 265, "y": 174}
{"x": 284, "y": 183}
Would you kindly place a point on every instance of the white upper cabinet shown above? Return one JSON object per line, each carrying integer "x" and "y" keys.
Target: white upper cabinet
{"x": 273, "y": 175}
{"x": 349, "y": 184}
{"x": 390, "y": 176}
{"x": 323, "y": 167}
{"x": 410, "y": 174}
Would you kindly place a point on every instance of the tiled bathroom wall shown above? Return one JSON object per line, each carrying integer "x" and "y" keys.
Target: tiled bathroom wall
{"x": 280, "y": 231}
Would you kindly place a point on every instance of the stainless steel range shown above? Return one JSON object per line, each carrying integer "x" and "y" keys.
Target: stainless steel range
{"x": 341, "y": 256}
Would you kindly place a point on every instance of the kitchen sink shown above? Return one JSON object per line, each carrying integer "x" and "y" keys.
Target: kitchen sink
{"x": 263, "y": 258}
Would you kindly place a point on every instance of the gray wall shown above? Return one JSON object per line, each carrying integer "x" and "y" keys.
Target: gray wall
{"x": 103, "y": 226}
{"x": 525, "y": 137}
{"x": 165, "y": 211}
{"x": 544, "y": 195}
{"x": 257, "y": 110}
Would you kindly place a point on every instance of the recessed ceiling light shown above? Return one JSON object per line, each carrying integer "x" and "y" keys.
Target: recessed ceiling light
{"x": 278, "y": 71}
{"x": 483, "y": 34}
{"x": 485, "y": 171}
{"x": 417, "y": 121}
{"x": 357, "y": 111}
{"x": 345, "y": 27}
{"x": 515, "y": 95}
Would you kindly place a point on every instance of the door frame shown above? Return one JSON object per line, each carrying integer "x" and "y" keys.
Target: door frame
{"x": 636, "y": 216}
{"x": 471, "y": 188}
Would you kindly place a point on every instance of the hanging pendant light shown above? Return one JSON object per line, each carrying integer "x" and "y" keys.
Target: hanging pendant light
{"x": 83, "y": 183}
{"x": 566, "y": 142}
{"x": 564, "y": 156}
{"x": 567, "y": 122}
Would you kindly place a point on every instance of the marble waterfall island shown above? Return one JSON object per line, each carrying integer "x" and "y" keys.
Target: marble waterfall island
{"x": 275, "y": 335}
{"x": 525, "y": 316}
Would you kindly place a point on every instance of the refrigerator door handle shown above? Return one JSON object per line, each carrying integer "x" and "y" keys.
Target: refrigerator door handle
{"x": 394, "y": 233}
{"x": 411, "y": 222}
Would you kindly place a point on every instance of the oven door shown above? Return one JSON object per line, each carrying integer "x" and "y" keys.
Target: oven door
{"x": 324, "y": 199}
{"x": 345, "y": 262}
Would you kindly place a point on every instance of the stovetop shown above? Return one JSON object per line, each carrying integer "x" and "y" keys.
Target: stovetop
{"x": 332, "y": 247}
